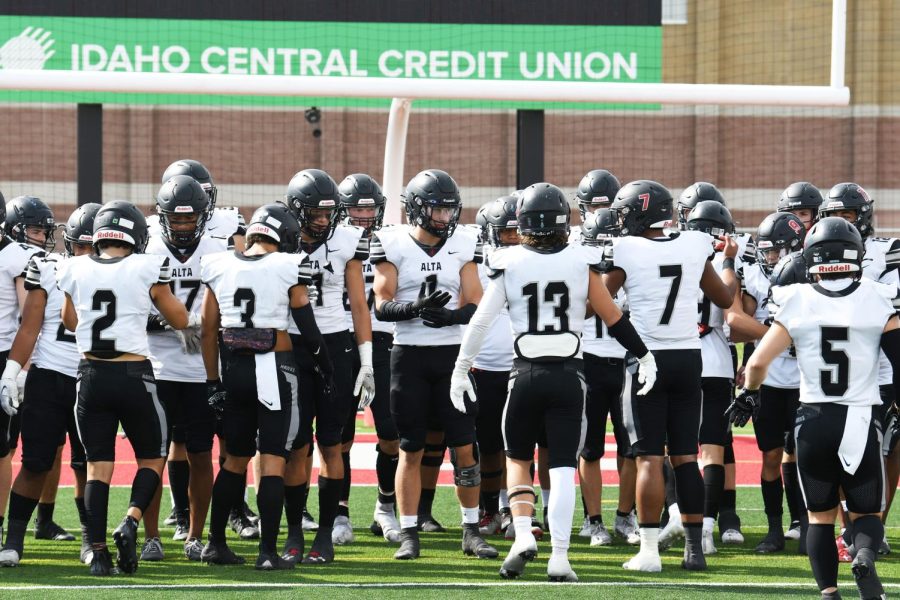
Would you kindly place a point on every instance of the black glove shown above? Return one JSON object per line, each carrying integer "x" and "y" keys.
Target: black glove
{"x": 215, "y": 396}
{"x": 742, "y": 408}
{"x": 436, "y": 299}
{"x": 437, "y": 317}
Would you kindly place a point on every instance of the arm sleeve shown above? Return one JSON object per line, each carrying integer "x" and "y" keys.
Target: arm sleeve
{"x": 376, "y": 250}
{"x": 890, "y": 344}
{"x": 491, "y": 304}
{"x": 362, "y": 249}
{"x": 165, "y": 272}
{"x": 892, "y": 257}
{"x": 32, "y": 275}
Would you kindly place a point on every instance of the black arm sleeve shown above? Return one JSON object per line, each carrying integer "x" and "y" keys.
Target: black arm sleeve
{"x": 749, "y": 347}
{"x": 890, "y": 343}
{"x": 395, "y": 311}
{"x": 462, "y": 316}
{"x": 312, "y": 337}
{"x": 626, "y": 335}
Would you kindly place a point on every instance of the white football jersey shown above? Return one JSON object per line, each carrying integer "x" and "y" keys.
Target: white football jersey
{"x": 713, "y": 342}
{"x": 497, "y": 350}
{"x": 838, "y": 336}
{"x": 55, "y": 348}
{"x": 112, "y": 299}
{"x": 784, "y": 372}
{"x": 328, "y": 263}
{"x": 170, "y": 362}
{"x": 225, "y": 222}
{"x": 253, "y": 291}
{"x": 14, "y": 259}
{"x": 880, "y": 264}
{"x": 662, "y": 279}
{"x": 420, "y": 274}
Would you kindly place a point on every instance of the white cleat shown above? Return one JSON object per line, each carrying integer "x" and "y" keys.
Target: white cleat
{"x": 648, "y": 562}
{"x": 672, "y": 532}
{"x": 390, "y": 526}
{"x": 707, "y": 542}
{"x": 342, "y": 532}
{"x": 732, "y": 536}
{"x": 523, "y": 550}
{"x": 600, "y": 536}
{"x": 585, "y": 528}
{"x": 9, "y": 558}
{"x": 559, "y": 570}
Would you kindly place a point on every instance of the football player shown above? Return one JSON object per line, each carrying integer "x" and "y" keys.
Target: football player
{"x": 778, "y": 235}
{"x": 837, "y": 326}
{"x": 802, "y": 199}
{"x": 362, "y": 205}
{"x": 662, "y": 275}
{"x": 251, "y": 295}
{"x": 852, "y": 202}
{"x": 182, "y": 209}
{"x": 336, "y": 253}
{"x": 426, "y": 282}
{"x": 700, "y": 191}
{"x": 597, "y": 189}
{"x": 48, "y": 415}
{"x": 546, "y": 282}
{"x": 108, "y": 297}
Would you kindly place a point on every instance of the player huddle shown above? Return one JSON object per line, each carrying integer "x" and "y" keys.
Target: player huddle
{"x": 492, "y": 340}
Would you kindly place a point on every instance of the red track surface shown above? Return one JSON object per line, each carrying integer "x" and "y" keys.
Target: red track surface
{"x": 746, "y": 454}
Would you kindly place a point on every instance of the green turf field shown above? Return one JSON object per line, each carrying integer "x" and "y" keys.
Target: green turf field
{"x": 735, "y": 572}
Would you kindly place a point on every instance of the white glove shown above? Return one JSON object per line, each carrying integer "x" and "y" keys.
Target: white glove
{"x": 190, "y": 339}
{"x": 365, "y": 380}
{"x": 646, "y": 373}
{"x": 194, "y": 320}
{"x": 9, "y": 389}
{"x": 460, "y": 386}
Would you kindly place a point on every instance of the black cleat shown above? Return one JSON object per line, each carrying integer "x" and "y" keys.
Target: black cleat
{"x": 86, "y": 548}
{"x": 863, "y": 569}
{"x": 474, "y": 545}
{"x": 428, "y": 524}
{"x": 409, "y": 544}
{"x": 101, "y": 561}
{"x": 294, "y": 545}
{"x": 693, "y": 558}
{"x": 269, "y": 561}
{"x": 322, "y": 550}
{"x": 773, "y": 542}
{"x": 125, "y": 537}
{"x": 51, "y": 531}
{"x": 220, "y": 554}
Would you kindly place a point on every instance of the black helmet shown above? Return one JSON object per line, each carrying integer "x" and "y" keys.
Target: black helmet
{"x": 27, "y": 211}
{"x": 313, "y": 189}
{"x": 599, "y": 227}
{"x": 2, "y": 210}
{"x": 543, "y": 211}
{"x": 121, "y": 220}
{"x": 694, "y": 193}
{"x": 481, "y": 220}
{"x": 781, "y": 231}
{"x": 642, "y": 205}
{"x": 799, "y": 195}
{"x": 598, "y": 188}
{"x": 849, "y": 196}
{"x": 80, "y": 226}
{"x": 195, "y": 169}
{"x": 710, "y": 217}
{"x": 426, "y": 191}
{"x": 790, "y": 270}
{"x": 361, "y": 191}
{"x": 499, "y": 215}
{"x": 182, "y": 195}
{"x": 277, "y": 222}
{"x": 833, "y": 246}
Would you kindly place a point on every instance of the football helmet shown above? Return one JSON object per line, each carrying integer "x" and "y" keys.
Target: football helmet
{"x": 833, "y": 246}
{"x": 429, "y": 190}
{"x": 597, "y": 189}
{"x": 361, "y": 191}
{"x": 542, "y": 211}
{"x": 641, "y": 205}
{"x": 694, "y": 193}
{"x": 79, "y": 229}
{"x": 599, "y": 227}
{"x": 122, "y": 221}
{"x": 481, "y": 220}
{"x": 277, "y": 222}
{"x": 314, "y": 190}
{"x": 23, "y": 212}
{"x": 790, "y": 270}
{"x": 499, "y": 215}
{"x": 710, "y": 216}
{"x": 182, "y": 195}
{"x": 778, "y": 235}
{"x": 801, "y": 195}
{"x": 850, "y": 196}
{"x": 195, "y": 169}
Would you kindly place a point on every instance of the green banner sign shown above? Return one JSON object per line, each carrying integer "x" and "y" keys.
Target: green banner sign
{"x": 331, "y": 49}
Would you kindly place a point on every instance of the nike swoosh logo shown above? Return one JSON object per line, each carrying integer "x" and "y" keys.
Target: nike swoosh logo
{"x": 452, "y": 251}
{"x": 267, "y": 403}
{"x": 348, "y": 350}
{"x": 846, "y": 463}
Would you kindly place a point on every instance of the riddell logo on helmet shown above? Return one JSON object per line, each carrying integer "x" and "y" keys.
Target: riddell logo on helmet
{"x": 109, "y": 235}
{"x": 184, "y": 209}
{"x": 839, "y": 268}
{"x": 326, "y": 203}
{"x": 797, "y": 227}
{"x": 599, "y": 199}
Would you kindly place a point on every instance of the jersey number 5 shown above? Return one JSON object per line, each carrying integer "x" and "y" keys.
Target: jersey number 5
{"x": 834, "y": 380}
{"x": 556, "y": 293}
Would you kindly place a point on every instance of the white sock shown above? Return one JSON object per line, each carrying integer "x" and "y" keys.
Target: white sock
{"x": 545, "y": 495}
{"x": 650, "y": 539}
{"x": 562, "y": 505}
{"x": 408, "y": 521}
{"x": 469, "y": 515}
{"x": 522, "y": 525}
{"x": 504, "y": 498}
{"x": 708, "y": 523}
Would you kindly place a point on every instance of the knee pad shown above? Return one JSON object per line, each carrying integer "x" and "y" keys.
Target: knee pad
{"x": 790, "y": 443}
{"x": 143, "y": 488}
{"x": 492, "y": 474}
{"x": 432, "y": 460}
{"x": 689, "y": 488}
{"x": 78, "y": 465}
{"x": 37, "y": 465}
{"x": 591, "y": 453}
{"x": 408, "y": 445}
{"x": 466, "y": 476}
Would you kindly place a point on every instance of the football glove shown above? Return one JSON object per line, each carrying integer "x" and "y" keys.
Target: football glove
{"x": 436, "y": 299}
{"x": 364, "y": 388}
{"x": 462, "y": 386}
{"x": 9, "y": 388}
{"x": 215, "y": 396}
{"x": 744, "y": 407}
{"x": 646, "y": 373}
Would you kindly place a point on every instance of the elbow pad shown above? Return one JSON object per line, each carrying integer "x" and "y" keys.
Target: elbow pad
{"x": 624, "y": 333}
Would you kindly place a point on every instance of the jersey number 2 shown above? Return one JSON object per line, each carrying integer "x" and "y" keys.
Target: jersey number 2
{"x": 103, "y": 299}
{"x": 834, "y": 381}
